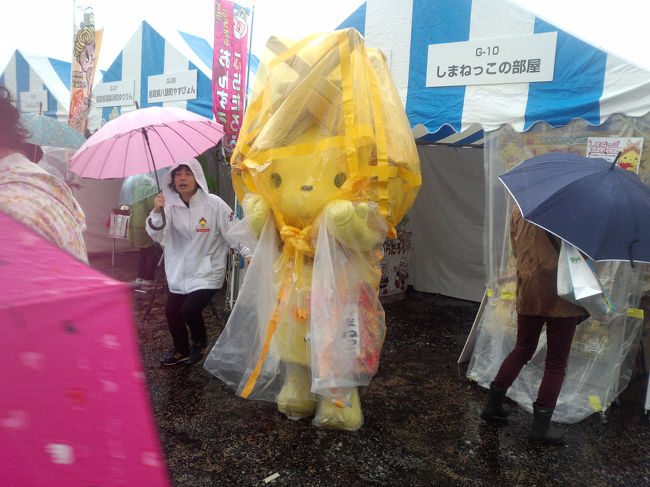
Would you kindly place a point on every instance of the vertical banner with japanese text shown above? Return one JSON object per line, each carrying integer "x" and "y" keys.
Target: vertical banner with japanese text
{"x": 231, "y": 26}
{"x": 86, "y": 43}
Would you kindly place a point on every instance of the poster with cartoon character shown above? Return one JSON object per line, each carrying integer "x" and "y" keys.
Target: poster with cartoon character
{"x": 394, "y": 270}
{"x": 608, "y": 148}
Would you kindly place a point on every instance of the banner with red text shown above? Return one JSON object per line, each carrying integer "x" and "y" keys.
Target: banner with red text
{"x": 86, "y": 44}
{"x": 229, "y": 67}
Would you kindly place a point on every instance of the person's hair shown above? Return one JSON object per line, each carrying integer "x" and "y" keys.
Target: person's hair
{"x": 171, "y": 185}
{"x": 12, "y": 131}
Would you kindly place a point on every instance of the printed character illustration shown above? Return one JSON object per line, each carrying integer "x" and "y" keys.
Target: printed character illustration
{"x": 629, "y": 158}
{"x": 402, "y": 274}
{"x": 240, "y": 20}
{"x": 383, "y": 282}
{"x": 322, "y": 183}
{"x": 84, "y": 54}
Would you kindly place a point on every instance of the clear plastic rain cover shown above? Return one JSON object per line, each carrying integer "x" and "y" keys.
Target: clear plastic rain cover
{"x": 603, "y": 352}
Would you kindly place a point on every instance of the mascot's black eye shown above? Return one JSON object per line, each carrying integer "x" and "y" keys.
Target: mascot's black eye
{"x": 276, "y": 180}
{"x": 339, "y": 179}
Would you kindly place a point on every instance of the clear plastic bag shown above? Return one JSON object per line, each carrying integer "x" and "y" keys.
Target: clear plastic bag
{"x": 578, "y": 283}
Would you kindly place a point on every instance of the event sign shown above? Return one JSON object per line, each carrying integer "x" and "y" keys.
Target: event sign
{"x": 519, "y": 59}
{"x": 115, "y": 93}
{"x": 119, "y": 226}
{"x": 33, "y": 101}
{"x": 608, "y": 148}
{"x": 86, "y": 44}
{"x": 181, "y": 85}
{"x": 394, "y": 265}
{"x": 229, "y": 67}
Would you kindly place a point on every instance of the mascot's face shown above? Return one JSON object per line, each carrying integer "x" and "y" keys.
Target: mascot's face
{"x": 299, "y": 187}
{"x": 629, "y": 160}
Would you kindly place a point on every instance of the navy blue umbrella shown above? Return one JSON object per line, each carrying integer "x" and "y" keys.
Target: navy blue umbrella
{"x": 598, "y": 207}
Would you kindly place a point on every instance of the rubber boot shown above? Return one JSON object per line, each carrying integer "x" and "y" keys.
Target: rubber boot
{"x": 540, "y": 430}
{"x": 495, "y": 410}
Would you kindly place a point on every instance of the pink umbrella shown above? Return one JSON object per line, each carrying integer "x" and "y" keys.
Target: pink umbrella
{"x": 143, "y": 141}
{"x": 74, "y": 408}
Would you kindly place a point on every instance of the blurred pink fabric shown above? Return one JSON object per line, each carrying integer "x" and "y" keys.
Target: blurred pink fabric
{"x": 74, "y": 409}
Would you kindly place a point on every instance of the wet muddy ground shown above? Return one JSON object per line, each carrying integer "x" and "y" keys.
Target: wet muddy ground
{"x": 421, "y": 416}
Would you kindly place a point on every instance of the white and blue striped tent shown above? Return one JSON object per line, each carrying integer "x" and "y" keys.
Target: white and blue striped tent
{"x": 147, "y": 53}
{"x": 588, "y": 83}
{"x": 28, "y": 72}
{"x": 447, "y": 218}
{"x": 154, "y": 51}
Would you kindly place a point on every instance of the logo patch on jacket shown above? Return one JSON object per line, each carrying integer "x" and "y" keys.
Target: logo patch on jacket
{"x": 202, "y": 225}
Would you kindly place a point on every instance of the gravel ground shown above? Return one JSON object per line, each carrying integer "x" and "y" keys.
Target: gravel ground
{"x": 421, "y": 424}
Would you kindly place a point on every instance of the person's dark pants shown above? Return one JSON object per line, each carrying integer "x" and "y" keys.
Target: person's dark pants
{"x": 559, "y": 335}
{"x": 148, "y": 261}
{"x": 182, "y": 309}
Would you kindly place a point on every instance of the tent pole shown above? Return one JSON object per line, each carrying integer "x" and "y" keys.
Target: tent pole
{"x": 248, "y": 58}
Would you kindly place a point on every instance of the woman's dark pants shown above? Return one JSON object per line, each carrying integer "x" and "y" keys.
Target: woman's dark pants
{"x": 187, "y": 309}
{"x": 559, "y": 335}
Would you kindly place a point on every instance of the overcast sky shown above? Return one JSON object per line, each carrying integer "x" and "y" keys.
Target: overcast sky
{"x": 618, "y": 26}
{"x": 44, "y": 27}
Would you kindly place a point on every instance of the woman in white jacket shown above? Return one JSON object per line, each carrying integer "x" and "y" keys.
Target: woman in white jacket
{"x": 196, "y": 244}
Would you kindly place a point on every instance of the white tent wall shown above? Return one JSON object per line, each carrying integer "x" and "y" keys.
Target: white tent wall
{"x": 97, "y": 198}
{"x": 447, "y": 223}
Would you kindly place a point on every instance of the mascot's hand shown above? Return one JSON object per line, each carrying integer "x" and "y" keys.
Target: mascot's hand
{"x": 256, "y": 210}
{"x": 351, "y": 225}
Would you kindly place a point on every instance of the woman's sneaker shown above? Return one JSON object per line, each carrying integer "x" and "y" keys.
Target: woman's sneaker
{"x": 197, "y": 352}
{"x": 174, "y": 357}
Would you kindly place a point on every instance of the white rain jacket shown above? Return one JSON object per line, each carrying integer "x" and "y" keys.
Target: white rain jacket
{"x": 195, "y": 237}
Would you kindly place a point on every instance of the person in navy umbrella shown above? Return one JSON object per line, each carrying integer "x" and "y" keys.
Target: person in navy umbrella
{"x": 538, "y": 304}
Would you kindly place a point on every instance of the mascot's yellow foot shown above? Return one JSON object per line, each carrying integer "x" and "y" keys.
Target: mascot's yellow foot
{"x": 331, "y": 416}
{"x": 295, "y": 399}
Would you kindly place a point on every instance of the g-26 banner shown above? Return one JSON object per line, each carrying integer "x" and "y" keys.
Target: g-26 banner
{"x": 85, "y": 51}
{"x": 229, "y": 67}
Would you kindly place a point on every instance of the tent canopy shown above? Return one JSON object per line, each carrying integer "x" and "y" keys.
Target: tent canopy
{"x": 30, "y": 73}
{"x": 148, "y": 52}
{"x": 154, "y": 51}
{"x": 588, "y": 83}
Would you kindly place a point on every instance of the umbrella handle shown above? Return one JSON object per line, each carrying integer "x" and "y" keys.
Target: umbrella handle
{"x": 164, "y": 222}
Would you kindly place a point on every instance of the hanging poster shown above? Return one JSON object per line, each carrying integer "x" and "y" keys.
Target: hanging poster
{"x": 229, "y": 67}
{"x": 86, "y": 43}
{"x": 394, "y": 265}
{"x": 119, "y": 226}
{"x": 608, "y": 148}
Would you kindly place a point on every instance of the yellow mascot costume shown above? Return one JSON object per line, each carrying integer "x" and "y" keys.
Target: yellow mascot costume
{"x": 325, "y": 166}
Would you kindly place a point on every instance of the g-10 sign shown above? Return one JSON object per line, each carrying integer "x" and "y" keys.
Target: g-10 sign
{"x": 492, "y": 61}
